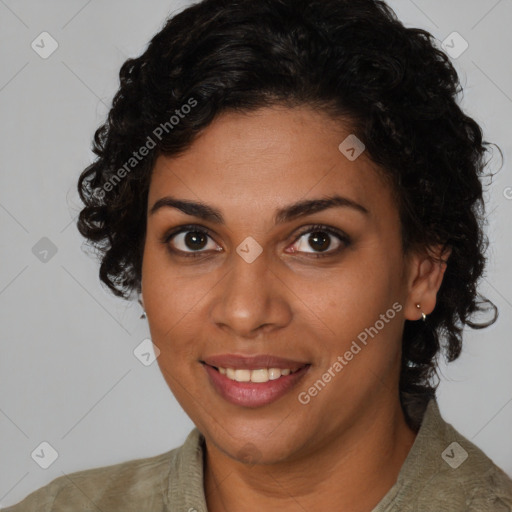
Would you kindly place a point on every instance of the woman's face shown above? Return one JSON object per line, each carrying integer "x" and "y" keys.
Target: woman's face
{"x": 333, "y": 298}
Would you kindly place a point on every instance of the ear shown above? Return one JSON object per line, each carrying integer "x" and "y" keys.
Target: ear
{"x": 425, "y": 274}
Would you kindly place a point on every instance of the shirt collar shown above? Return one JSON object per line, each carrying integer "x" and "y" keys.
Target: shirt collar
{"x": 427, "y": 448}
{"x": 186, "y": 490}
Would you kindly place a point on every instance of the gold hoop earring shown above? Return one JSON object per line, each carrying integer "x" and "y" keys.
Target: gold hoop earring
{"x": 423, "y": 316}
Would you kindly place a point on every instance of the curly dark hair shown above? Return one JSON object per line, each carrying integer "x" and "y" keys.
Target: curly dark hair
{"x": 354, "y": 61}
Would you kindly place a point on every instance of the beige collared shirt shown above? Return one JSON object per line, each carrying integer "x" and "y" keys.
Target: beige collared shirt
{"x": 443, "y": 472}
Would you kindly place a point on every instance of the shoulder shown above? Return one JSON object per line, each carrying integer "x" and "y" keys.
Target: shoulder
{"x": 447, "y": 469}
{"x": 138, "y": 484}
{"x": 484, "y": 485}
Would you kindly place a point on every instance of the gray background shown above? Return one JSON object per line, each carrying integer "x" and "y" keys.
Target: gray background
{"x": 68, "y": 374}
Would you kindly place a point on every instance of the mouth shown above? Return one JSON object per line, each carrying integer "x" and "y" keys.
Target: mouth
{"x": 254, "y": 387}
{"x": 258, "y": 375}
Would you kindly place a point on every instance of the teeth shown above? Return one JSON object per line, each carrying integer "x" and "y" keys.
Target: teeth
{"x": 274, "y": 373}
{"x": 259, "y": 375}
{"x": 242, "y": 375}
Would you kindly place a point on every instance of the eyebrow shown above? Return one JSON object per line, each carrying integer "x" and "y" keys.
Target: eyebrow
{"x": 286, "y": 214}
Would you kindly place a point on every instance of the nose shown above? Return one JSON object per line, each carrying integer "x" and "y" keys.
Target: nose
{"x": 251, "y": 299}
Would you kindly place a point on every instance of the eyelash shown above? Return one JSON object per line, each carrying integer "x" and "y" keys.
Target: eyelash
{"x": 342, "y": 237}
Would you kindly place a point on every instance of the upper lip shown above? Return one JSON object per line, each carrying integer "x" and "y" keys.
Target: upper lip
{"x": 252, "y": 362}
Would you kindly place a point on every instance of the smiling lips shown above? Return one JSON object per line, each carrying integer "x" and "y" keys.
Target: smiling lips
{"x": 253, "y": 381}
{"x": 261, "y": 368}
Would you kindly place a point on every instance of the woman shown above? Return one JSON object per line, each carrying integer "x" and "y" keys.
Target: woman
{"x": 295, "y": 194}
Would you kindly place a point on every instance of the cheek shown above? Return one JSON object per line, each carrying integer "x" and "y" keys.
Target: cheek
{"x": 358, "y": 292}
{"x": 167, "y": 295}
{"x": 172, "y": 304}
{"x": 165, "y": 298}
{"x": 172, "y": 308}
{"x": 361, "y": 307}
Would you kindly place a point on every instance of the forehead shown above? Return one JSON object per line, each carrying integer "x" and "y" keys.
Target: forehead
{"x": 262, "y": 160}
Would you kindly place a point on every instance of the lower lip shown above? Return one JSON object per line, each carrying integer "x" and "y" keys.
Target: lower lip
{"x": 253, "y": 394}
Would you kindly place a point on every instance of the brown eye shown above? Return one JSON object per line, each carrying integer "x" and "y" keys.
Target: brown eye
{"x": 195, "y": 240}
{"x": 320, "y": 239}
{"x": 189, "y": 241}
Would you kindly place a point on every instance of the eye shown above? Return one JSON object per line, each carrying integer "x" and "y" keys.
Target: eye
{"x": 189, "y": 241}
{"x": 192, "y": 241}
{"x": 320, "y": 240}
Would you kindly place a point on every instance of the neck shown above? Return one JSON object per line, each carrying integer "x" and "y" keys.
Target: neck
{"x": 349, "y": 471}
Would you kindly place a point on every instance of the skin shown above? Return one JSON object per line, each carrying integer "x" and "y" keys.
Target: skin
{"x": 288, "y": 304}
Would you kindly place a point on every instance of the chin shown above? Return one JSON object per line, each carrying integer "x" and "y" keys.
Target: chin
{"x": 261, "y": 442}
